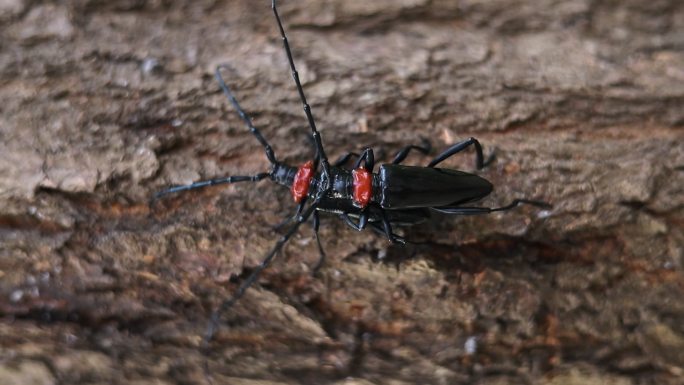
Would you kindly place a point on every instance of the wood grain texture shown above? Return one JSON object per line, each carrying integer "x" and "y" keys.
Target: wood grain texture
{"x": 105, "y": 103}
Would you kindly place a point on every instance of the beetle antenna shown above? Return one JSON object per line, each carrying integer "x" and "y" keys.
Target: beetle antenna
{"x": 255, "y": 131}
{"x": 247, "y": 283}
{"x": 307, "y": 109}
{"x": 213, "y": 182}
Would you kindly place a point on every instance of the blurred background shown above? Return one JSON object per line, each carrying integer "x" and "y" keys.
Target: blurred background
{"x": 105, "y": 103}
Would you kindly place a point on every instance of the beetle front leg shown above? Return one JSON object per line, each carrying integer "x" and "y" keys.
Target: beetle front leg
{"x": 380, "y": 230}
{"x": 288, "y": 220}
{"x": 367, "y": 157}
{"x": 342, "y": 160}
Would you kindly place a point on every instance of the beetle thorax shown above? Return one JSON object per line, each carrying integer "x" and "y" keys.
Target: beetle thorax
{"x": 302, "y": 181}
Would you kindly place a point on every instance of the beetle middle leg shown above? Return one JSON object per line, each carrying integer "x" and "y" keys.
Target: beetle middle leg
{"x": 291, "y": 218}
{"x": 367, "y": 158}
{"x": 480, "y": 162}
{"x": 424, "y": 148}
{"x": 342, "y": 160}
{"x": 385, "y": 228}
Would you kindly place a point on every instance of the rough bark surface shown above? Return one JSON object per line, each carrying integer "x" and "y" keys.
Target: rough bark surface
{"x": 105, "y": 103}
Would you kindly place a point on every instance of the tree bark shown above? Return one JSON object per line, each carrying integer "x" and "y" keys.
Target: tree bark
{"x": 106, "y": 103}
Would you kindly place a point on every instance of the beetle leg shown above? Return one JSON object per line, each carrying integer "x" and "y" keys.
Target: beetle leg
{"x": 403, "y": 153}
{"x": 486, "y": 210}
{"x": 458, "y": 147}
{"x": 367, "y": 158}
{"x": 380, "y": 230}
{"x": 287, "y": 220}
{"x": 424, "y": 148}
{"x": 363, "y": 221}
{"x": 348, "y": 221}
{"x": 321, "y": 252}
{"x": 387, "y": 226}
{"x": 227, "y": 304}
{"x": 342, "y": 160}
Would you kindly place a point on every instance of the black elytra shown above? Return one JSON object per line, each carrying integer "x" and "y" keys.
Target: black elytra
{"x": 395, "y": 195}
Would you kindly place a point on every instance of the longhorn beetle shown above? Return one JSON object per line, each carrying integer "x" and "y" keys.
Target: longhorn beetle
{"x": 395, "y": 195}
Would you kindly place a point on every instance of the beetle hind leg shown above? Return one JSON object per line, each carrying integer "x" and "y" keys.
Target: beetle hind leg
{"x": 292, "y": 218}
{"x": 480, "y": 161}
{"x": 456, "y": 210}
{"x": 424, "y": 148}
{"x": 387, "y": 227}
{"x": 517, "y": 202}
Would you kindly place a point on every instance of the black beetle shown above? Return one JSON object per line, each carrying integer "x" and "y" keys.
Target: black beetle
{"x": 396, "y": 195}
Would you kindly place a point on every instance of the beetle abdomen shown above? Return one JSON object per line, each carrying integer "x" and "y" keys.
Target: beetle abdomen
{"x": 410, "y": 187}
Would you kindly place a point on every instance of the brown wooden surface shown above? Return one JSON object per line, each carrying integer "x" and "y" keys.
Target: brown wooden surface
{"x": 104, "y": 103}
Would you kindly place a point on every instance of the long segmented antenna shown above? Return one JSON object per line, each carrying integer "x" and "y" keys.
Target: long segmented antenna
{"x": 255, "y": 131}
{"x": 303, "y": 217}
{"x": 247, "y": 283}
{"x": 307, "y": 109}
{"x": 213, "y": 182}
